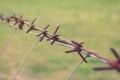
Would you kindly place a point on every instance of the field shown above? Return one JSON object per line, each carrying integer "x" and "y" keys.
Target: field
{"x": 96, "y": 22}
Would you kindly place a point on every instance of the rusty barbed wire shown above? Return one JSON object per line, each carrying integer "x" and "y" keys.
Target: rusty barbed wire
{"x": 55, "y": 38}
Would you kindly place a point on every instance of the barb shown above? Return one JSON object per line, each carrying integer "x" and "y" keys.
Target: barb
{"x": 43, "y": 33}
{"x": 25, "y": 59}
{"x": 75, "y": 69}
{"x": 78, "y": 48}
{"x": 54, "y": 37}
{"x": 17, "y": 20}
{"x": 113, "y": 64}
{"x": 115, "y": 54}
{"x": 8, "y": 41}
{"x": 32, "y": 26}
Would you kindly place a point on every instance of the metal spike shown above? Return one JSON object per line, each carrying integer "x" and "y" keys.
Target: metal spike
{"x": 33, "y": 21}
{"x": 82, "y": 57}
{"x": 46, "y": 27}
{"x": 103, "y": 68}
{"x": 115, "y": 53}
{"x": 70, "y": 51}
{"x": 56, "y": 30}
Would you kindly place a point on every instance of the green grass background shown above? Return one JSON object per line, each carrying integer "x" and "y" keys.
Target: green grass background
{"x": 96, "y": 22}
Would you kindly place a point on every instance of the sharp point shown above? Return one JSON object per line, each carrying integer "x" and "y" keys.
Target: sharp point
{"x": 34, "y": 20}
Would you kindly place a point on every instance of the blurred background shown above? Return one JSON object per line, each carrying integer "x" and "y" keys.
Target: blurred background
{"x": 96, "y": 22}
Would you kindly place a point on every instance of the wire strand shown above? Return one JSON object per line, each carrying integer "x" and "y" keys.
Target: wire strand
{"x": 24, "y": 60}
{"x": 8, "y": 41}
{"x": 75, "y": 69}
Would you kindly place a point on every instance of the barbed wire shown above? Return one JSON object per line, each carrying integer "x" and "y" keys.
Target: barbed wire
{"x": 55, "y": 38}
